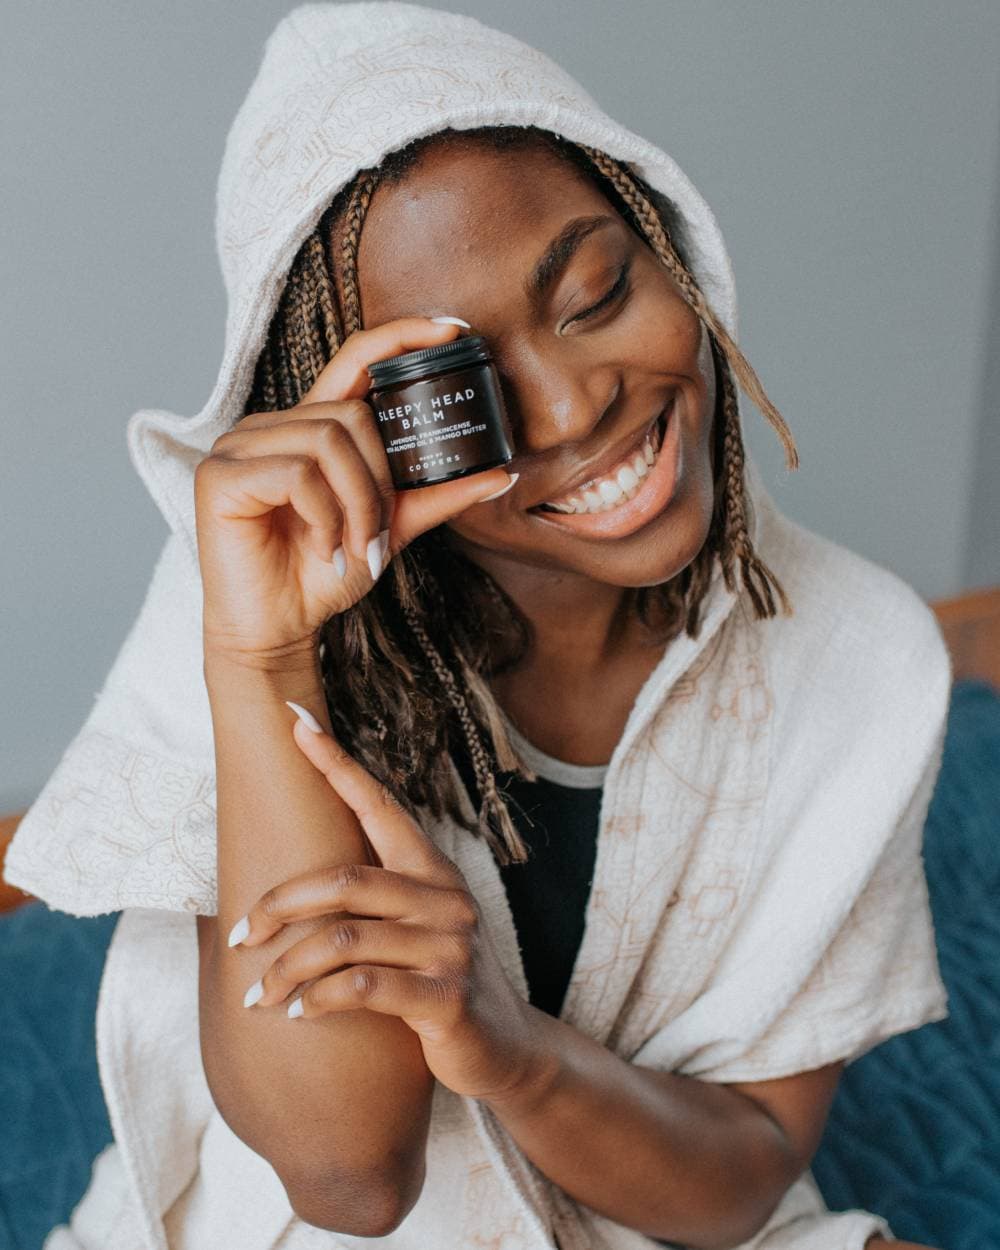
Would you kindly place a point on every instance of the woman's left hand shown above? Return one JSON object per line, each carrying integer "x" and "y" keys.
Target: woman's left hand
{"x": 414, "y": 945}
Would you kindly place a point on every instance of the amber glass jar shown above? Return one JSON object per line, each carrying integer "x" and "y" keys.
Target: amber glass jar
{"x": 440, "y": 412}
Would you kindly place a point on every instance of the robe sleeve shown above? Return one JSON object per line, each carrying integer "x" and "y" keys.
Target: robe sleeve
{"x": 127, "y": 817}
{"x": 837, "y": 951}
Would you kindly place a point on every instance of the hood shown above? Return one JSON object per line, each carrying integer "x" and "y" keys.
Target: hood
{"x": 127, "y": 818}
{"x": 339, "y": 86}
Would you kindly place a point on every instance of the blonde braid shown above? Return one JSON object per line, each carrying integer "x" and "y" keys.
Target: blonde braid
{"x": 356, "y": 208}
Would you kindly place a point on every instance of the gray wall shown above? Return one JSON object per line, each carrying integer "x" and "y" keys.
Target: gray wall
{"x": 850, "y": 152}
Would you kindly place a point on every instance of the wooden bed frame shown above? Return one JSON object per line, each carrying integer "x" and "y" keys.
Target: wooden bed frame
{"x": 970, "y": 624}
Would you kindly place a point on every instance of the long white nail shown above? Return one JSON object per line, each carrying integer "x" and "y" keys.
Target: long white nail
{"x": 451, "y": 321}
{"x": 305, "y": 716}
{"x": 340, "y": 562}
{"x": 502, "y": 491}
{"x": 374, "y": 553}
{"x": 254, "y": 994}
{"x": 296, "y": 1009}
{"x": 239, "y": 931}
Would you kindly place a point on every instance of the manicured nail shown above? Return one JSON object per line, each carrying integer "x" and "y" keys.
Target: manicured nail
{"x": 254, "y": 994}
{"x": 451, "y": 321}
{"x": 296, "y": 1009}
{"x": 384, "y": 536}
{"x": 375, "y": 552}
{"x": 339, "y": 562}
{"x": 306, "y": 717}
{"x": 502, "y": 491}
{"x": 239, "y": 931}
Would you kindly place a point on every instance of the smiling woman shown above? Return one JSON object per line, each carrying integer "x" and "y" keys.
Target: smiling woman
{"x": 517, "y": 860}
{"x": 629, "y": 476}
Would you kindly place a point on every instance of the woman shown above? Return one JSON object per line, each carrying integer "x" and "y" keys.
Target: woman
{"x": 391, "y": 1019}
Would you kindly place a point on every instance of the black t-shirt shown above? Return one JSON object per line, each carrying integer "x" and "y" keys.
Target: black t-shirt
{"x": 548, "y": 892}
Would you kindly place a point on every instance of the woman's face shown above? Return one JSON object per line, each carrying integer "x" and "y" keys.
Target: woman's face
{"x": 463, "y": 234}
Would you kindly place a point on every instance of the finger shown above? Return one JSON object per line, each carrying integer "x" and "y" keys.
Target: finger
{"x": 397, "y": 839}
{"x": 244, "y": 490}
{"x": 361, "y": 889}
{"x": 345, "y": 941}
{"x": 392, "y": 991}
{"x": 356, "y": 415}
{"x": 420, "y": 510}
{"x": 346, "y": 467}
{"x": 345, "y": 376}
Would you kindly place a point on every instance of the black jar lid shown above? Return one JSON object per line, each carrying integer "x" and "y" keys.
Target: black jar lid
{"x": 426, "y": 362}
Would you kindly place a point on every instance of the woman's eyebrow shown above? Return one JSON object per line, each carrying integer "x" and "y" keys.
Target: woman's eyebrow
{"x": 560, "y": 252}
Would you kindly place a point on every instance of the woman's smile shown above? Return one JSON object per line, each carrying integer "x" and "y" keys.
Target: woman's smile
{"x": 633, "y": 491}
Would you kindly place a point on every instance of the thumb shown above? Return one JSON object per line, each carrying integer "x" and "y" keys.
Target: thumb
{"x": 420, "y": 510}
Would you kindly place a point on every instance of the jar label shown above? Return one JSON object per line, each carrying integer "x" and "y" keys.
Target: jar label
{"x": 443, "y": 427}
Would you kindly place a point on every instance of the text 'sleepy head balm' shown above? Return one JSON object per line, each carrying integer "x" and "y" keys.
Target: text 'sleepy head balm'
{"x": 440, "y": 412}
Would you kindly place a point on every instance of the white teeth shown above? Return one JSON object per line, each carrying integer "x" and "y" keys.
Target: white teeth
{"x": 621, "y": 484}
{"x": 593, "y": 501}
{"x": 627, "y": 479}
{"x": 609, "y": 490}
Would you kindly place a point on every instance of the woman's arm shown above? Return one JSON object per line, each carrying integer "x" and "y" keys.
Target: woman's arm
{"x": 296, "y": 515}
{"x": 341, "y": 1111}
{"x": 671, "y": 1156}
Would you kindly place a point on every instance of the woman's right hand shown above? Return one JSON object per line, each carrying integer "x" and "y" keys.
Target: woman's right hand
{"x": 281, "y": 492}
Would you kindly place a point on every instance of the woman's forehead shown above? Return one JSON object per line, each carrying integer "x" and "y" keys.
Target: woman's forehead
{"x": 461, "y": 217}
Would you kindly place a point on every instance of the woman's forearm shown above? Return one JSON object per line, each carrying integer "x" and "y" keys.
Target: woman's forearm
{"x": 341, "y": 1109}
{"x": 671, "y": 1156}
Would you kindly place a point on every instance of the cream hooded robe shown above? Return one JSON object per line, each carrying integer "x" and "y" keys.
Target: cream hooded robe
{"x": 759, "y": 905}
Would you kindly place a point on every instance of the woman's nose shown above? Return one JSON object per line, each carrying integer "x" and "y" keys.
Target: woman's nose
{"x": 550, "y": 408}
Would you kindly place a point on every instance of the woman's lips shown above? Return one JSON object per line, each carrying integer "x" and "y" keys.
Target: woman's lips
{"x": 654, "y": 494}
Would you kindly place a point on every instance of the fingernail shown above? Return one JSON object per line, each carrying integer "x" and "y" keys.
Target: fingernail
{"x": 254, "y": 994}
{"x": 384, "y": 536}
{"x": 374, "y": 553}
{"x": 239, "y": 931}
{"x": 296, "y": 1009}
{"x": 305, "y": 717}
{"x": 451, "y": 321}
{"x": 502, "y": 491}
{"x": 340, "y": 562}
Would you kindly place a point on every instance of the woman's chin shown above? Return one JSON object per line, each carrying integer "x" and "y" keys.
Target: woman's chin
{"x": 663, "y": 550}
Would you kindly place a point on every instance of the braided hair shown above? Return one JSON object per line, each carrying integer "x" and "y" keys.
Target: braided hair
{"x": 406, "y": 670}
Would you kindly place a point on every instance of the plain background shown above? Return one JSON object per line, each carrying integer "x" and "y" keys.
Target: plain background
{"x": 850, "y": 152}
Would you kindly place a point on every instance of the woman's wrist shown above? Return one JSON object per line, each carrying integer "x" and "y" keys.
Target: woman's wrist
{"x": 541, "y": 1063}
{"x": 301, "y": 655}
{"x": 293, "y": 674}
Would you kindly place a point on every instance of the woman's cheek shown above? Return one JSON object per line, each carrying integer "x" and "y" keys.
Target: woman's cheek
{"x": 662, "y": 333}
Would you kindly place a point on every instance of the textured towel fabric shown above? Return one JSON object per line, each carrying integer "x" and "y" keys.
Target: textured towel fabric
{"x": 914, "y": 1130}
{"x": 759, "y": 905}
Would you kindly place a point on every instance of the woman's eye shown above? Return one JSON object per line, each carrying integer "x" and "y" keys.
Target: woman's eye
{"x": 613, "y": 292}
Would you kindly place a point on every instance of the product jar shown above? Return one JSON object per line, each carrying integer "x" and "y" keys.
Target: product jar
{"x": 440, "y": 412}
